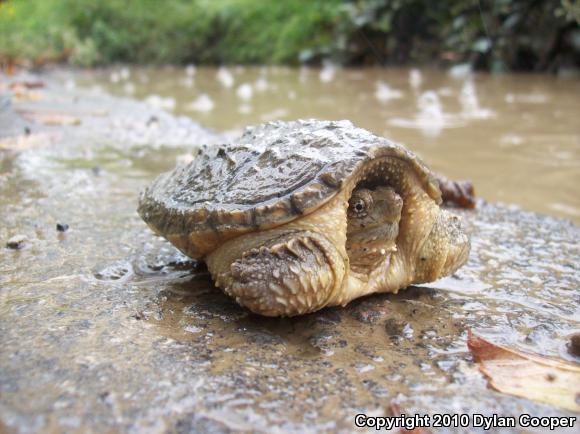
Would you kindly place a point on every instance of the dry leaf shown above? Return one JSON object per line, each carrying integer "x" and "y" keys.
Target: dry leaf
{"x": 27, "y": 84}
{"x": 22, "y": 94}
{"x": 50, "y": 118}
{"x": 530, "y": 376}
{"x": 26, "y": 141}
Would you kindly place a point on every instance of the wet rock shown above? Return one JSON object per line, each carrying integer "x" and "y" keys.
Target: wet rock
{"x": 17, "y": 242}
{"x": 120, "y": 270}
{"x": 370, "y": 311}
{"x": 574, "y": 345}
{"x": 376, "y": 389}
{"x": 398, "y": 329}
{"x": 327, "y": 341}
{"x": 139, "y": 315}
{"x": 153, "y": 120}
{"x": 331, "y": 315}
{"x": 394, "y": 327}
{"x": 260, "y": 337}
{"x": 62, "y": 227}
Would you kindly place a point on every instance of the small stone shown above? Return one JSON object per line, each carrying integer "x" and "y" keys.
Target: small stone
{"x": 370, "y": 312}
{"x": 17, "y": 242}
{"x": 139, "y": 315}
{"x": 394, "y": 327}
{"x": 62, "y": 227}
{"x": 574, "y": 345}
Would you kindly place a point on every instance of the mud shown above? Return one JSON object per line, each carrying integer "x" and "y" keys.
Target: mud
{"x": 106, "y": 328}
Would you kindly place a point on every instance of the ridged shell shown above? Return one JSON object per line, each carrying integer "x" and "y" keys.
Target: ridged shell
{"x": 274, "y": 173}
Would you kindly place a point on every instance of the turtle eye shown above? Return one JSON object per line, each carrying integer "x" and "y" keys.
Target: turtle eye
{"x": 359, "y": 204}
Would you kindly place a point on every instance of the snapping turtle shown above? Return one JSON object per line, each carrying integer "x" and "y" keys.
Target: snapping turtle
{"x": 296, "y": 216}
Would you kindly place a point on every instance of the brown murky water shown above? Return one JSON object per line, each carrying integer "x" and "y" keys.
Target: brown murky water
{"x": 516, "y": 136}
{"x": 107, "y": 328}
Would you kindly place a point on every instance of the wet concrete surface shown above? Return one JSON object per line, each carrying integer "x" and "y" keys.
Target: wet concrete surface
{"x": 107, "y": 328}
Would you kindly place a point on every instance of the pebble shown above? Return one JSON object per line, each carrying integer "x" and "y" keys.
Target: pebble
{"x": 394, "y": 327}
{"x": 62, "y": 227}
{"x": 370, "y": 313}
{"x": 574, "y": 345}
{"x": 17, "y": 242}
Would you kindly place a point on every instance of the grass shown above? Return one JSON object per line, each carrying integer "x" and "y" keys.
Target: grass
{"x": 92, "y": 32}
{"x": 491, "y": 34}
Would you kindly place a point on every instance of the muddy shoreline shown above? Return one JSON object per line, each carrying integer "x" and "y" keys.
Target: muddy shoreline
{"x": 106, "y": 328}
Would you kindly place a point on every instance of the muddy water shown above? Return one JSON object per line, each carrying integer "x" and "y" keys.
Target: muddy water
{"x": 516, "y": 136}
{"x": 106, "y": 328}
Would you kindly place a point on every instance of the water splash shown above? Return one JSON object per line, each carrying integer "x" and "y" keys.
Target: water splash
{"x": 470, "y": 103}
{"x": 188, "y": 81}
{"x": 430, "y": 118}
{"x": 225, "y": 77}
{"x": 261, "y": 84}
{"x": 202, "y": 103}
{"x": 527, "y": 98}
{"x": 327, "y": 73}
{"x": 129, "y": 88}
{"x": 114, "y": 77}
{"x": 159, "y": 102}
{"x": 415, "y": 79}
{"x": 460, "y": 71}
{"x": 245, "y": 92}
{"x": 190, "y": 70}
{"x": 125, "y": 73}
{"x": 385, "y": 93}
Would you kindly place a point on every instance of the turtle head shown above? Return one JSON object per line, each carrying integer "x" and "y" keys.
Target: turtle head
{"x": 397, "y": 234}
{"x": 373, "y": 217}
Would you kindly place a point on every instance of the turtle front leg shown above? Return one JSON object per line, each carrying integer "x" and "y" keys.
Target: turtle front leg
{"x": 289, "y": 273}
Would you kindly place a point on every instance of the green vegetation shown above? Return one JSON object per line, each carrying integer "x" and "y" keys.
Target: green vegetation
{"x": 490, "y": 34}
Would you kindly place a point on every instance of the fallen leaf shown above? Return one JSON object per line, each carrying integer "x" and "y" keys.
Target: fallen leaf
{"x": 539, "y": 378}
{"x": 25, "y": 94}
{"x": 26, "y": 141}
{"x": 27, "y": 84}
{"x": 50, "y": 118}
